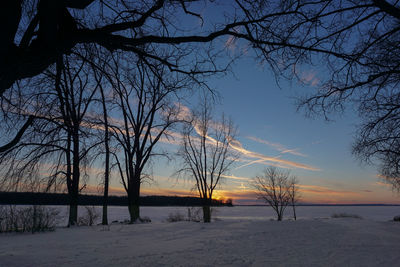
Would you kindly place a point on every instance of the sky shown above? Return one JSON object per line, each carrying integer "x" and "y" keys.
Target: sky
{"x": 273, "y": 132}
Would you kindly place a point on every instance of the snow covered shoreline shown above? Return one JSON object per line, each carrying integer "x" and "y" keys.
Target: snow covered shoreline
{"x": 255, "y": 213}
{"x": 306, "y": 242}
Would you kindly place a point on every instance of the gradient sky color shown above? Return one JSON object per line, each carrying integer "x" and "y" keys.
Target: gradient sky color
{"x": 272, "y": 132}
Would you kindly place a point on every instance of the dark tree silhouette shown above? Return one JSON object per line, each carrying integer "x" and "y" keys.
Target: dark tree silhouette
{"x": 35, "y": 33}
{"x": 75, "y": 93}
{"x": 101, "y": 76}
{"x": 206, "y": 152}
{"x": 60, "y": 139}
{"x": 104, "y": 220}
{"x": 143, "y": 100}
{"x": 277, "y": 189}
{"x": 294, "y": 194}
{"x": 354, "y": 46}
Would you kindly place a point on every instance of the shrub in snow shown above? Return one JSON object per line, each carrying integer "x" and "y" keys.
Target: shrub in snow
{"x": 346, "y": 215}
{"x": 145, "y": 219}
{"x": 90, "y": 217}
{"x": 396, "y": 218}
{"x": 27, "y": 219}
{"x": 194, "y": 214}
{"x": 175, "y": 217}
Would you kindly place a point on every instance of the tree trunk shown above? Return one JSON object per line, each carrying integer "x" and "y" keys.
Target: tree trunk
{"x": 73, "y": 211}
{"x": 134, "y": 212}
{"x": 206, "y": 213}
{"x": 104, "y": 220}
{"x": 34, "y": 219}
{"x": 107, "y": 160}
{"x": 294, "y": 212}
{"x": 280, "y": 215}
{"x": 133, "y": 201}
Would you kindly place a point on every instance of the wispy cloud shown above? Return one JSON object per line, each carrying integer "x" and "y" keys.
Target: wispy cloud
{"x": 309, "y": 77}
{"x": 231, "y": 42}
{"x": 233, "y": 177}
{"x": 260, "y": 158}
{"x": 279, "y": 147}
{"x": 381, "y": 183}
{"x": 322, "y": 190}
{"x": 367, "y": 191}
{"x": 251, "y": 156}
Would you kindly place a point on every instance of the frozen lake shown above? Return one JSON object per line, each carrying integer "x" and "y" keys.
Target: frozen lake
{"x": 252, "y": 213}
{"x": 243, "y": 236}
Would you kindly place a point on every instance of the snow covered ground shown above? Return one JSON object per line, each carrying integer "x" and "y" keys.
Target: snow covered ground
{"x": 243, "y": 236}
{"x": 255, "y": 213}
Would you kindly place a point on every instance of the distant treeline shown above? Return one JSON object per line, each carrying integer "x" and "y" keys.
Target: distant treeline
{"x": 28, "y": 198}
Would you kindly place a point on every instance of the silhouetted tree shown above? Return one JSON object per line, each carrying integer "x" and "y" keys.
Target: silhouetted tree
{"x": 143, "y": 96}
{"x": 104, "y": 220}
{"x": 75, "y": 91}
{"x": 206, "y": 152}
{"x": 354, "y": 48}
{"x": 101, "y": 76}
{"x": 277, "y": 189}
{"x": 294, "y": 194}
{"x": 60, "y": 139}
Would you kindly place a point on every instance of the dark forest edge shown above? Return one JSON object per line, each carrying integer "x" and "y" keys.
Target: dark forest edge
{"x": 329, "y": 205}
{"x": 29, "y": 198}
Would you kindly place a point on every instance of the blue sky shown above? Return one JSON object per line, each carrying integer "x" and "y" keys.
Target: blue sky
{"x": 316, "y": 151}
{"x": 269, "y": 125}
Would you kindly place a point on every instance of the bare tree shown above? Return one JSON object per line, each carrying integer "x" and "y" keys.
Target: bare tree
{"x": 143, "y": 99}
{"x": 60, "y": 138}
{"x": 101, "y": 77}
{"x": 277, "y": 189}
{"x": 352, "y": 46}
{"x": 104, "y": 220}
{"x": 206, "y": 153}
{"x": 36, "y": 33}
{"x": 76, "y": 92}
{"x": 294, "y": 194}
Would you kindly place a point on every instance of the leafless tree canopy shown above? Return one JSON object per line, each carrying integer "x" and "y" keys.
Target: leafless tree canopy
{"x": 294, "y": 194}
{"x": 55, "y": 150}
{"x": 354, "y": 45}
{"x": 36, "y": 33}
{"x": 278, "y": 189}
{"x": 144, "y": 101}
{"x": 206, "y": 152}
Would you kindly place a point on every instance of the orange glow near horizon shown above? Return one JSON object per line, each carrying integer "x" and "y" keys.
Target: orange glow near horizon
{"x": 373, "y": 193}
{"x": 310, "y": 194}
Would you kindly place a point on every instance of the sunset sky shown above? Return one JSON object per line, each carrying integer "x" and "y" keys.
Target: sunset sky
{"x": 272, "y": 132}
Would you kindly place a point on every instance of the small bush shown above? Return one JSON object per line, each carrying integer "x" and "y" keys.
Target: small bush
{"x": 90, "y": 217}
{"x": 175, "y": 217}
{"x": 195, "y": 214}
{"x": 145, "y": 219}
{"x": 29, "y": 219}
{"x": 346, "y": 215}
